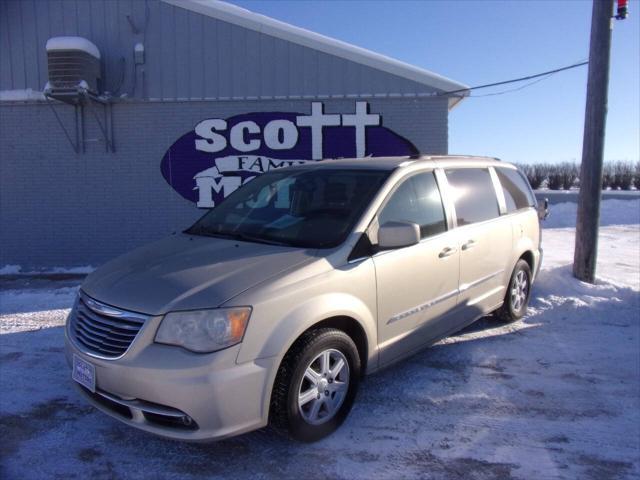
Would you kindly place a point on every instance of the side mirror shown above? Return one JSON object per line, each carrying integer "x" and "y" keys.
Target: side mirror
{"x": 398, "y": 235}
{"x": 543, "y": 209}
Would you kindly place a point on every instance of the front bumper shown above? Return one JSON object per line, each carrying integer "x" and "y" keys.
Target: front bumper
{"x": 156, "y": 387}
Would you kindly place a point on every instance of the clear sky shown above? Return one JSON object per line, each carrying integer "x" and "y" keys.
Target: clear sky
{"x": 482, "y": 41}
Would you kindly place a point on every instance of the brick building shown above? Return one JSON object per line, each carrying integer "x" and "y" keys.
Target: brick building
{"x": 189, "y": 100}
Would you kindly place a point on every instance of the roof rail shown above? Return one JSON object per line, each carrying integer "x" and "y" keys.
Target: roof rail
{"x": 453, "y": 156}
{"x": 474, "y": 157}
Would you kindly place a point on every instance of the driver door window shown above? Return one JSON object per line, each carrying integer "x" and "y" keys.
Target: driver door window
{"x": 417, "y": 200}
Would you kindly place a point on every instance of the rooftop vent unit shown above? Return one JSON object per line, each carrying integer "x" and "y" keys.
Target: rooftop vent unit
{"x": 74, "y": 69}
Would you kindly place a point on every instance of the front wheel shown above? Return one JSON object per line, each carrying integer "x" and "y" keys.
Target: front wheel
{"x": 516, "y": 299}
{"x": 316, "y": 385}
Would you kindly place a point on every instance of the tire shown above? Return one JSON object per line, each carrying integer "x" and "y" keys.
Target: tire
{"x": 309, "y": 418}
{"x": 516, "y": 298}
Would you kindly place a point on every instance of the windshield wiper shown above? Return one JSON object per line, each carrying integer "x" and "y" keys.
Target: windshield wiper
{"x": 196, "y": 230}
{"x": 236, "y": 236}
{"x": 253, "y": 238}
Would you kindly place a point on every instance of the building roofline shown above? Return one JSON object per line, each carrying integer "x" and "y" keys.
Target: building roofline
{"x": 275, "y": 28}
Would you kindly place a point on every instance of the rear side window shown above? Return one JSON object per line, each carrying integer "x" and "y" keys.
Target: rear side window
{"x": 517, "y": 193}
{"x": 474, "y": 196}
{"x": 416, "y": 200}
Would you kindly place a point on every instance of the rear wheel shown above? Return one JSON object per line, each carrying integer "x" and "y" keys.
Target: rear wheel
{"x": 516, "y": 299}
{"x": 316, "y": 385}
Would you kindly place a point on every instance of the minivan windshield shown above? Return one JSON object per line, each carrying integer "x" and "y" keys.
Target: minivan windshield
{"x": 308, "y": 208}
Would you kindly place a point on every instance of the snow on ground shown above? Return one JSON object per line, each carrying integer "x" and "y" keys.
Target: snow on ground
{"x": 18, "y": 270}
{"x": 25, "y": 310}
{"x": 612, "y": 212}
{"x": 555, "y": 395}
{"x": 10, "y": 270}
{"x": 21, "y": 95}
{"x": 618, "y": 252}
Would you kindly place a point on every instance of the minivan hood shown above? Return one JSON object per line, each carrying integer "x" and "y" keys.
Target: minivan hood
{"x": 184, "y": 272}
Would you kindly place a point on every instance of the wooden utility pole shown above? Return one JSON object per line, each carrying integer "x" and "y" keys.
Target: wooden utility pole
{"x": 586, "y": 248}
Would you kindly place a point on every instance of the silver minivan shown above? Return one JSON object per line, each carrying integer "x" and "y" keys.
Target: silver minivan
{"x": 273, "y": 305}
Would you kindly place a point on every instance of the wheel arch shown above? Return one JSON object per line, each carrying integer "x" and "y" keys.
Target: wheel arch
{"x": 528, "y": 257}
{"x": 351, "y": 327}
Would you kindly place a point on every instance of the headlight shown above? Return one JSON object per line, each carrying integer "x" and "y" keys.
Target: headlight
{"x": 204, "y": 330}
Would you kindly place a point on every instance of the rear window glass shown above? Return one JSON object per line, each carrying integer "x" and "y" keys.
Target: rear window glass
{"x": 474, "y": 196}
{"x": 517, "y": 193}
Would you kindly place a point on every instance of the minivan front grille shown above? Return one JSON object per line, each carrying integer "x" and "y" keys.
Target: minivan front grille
{"x": 103, "y": 330}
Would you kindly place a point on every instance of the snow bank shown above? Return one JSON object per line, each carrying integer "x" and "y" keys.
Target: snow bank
{"x": 10, "y": 270}
{"x": 24, "y": 95}
{"x": 618, "y": 253}
{"x": 26, "y": 310}
{"x": 83, "y": 270}
{"x": 17, "y": 270}
{"x": 612, "y": 212}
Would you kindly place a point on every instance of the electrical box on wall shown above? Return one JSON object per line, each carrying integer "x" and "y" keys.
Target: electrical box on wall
{"x": 138, "y": 53}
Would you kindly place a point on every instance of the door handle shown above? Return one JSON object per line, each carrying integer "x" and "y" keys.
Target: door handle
{"x": 447, "y": 252}
{"x": 469, "y": 244}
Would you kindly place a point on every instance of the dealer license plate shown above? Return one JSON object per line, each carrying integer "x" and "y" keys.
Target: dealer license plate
{"x": 84, "y": 373}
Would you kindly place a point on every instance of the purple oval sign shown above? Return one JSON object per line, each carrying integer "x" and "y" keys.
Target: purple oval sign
{"x": 208, "y": 163}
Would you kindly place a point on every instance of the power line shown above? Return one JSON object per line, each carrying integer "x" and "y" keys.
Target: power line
{"x": 511, "y": 90}
{"x": 521, "y": 79}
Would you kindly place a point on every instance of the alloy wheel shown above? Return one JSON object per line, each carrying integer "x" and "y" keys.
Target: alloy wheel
{"x": 519, "y": 290}
{"x": 324, "y": 387}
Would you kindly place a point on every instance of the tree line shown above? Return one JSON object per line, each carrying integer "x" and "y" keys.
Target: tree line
{"x": 617, "y": 175}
